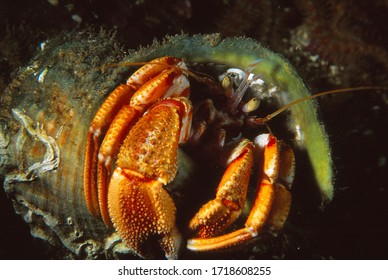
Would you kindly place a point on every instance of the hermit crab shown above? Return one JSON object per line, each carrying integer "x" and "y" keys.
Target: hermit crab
{"x": 147, "y": 118}
{"x": 102, "y": 184}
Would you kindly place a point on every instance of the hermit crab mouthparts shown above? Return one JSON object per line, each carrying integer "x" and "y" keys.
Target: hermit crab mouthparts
{"x": 79, "y": 147}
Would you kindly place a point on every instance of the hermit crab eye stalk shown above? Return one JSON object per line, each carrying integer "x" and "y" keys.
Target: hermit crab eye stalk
{"x": 244, "y": 89}
{"x": 251, "y": 105}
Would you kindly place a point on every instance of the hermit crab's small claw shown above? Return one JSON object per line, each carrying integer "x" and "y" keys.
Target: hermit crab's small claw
{"x": 272, "y": 202}
{"x": 219, "y": 213}
{"x": 140, "y": 210}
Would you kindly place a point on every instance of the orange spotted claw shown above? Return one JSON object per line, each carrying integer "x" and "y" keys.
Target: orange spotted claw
{"x": 136, "y": 132}
{"x": 139, "y": 206}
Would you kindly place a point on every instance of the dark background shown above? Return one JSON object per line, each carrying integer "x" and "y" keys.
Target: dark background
{"x": 333, "y": 44}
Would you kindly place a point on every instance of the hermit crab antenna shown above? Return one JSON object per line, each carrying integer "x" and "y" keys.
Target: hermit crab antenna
{"x": 334, "y": 91}
{"x": 198, "y": 76}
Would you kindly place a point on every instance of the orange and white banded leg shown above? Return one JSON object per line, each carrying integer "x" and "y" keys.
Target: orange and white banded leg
{"x": 272, "y": 202}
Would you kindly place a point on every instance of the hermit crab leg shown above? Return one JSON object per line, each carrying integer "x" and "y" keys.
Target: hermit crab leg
{"x": 98, "y": 128}
{"x": 272, "y": 201}
{"x": 116, "y": 133}
{"x": 143, "y": 88}
{"x": 219, "y": 213}
{"x": 282, "y": 203}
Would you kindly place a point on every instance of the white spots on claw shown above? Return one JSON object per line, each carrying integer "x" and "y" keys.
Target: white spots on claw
{"x": 252, "y": 231}
{"x": 261, "y": 140}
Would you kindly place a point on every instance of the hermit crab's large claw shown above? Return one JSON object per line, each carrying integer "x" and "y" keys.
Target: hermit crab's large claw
{"x": 140, "y": 208}
{"x": 161, "y": 78}
{"x": 136, "y": 132}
